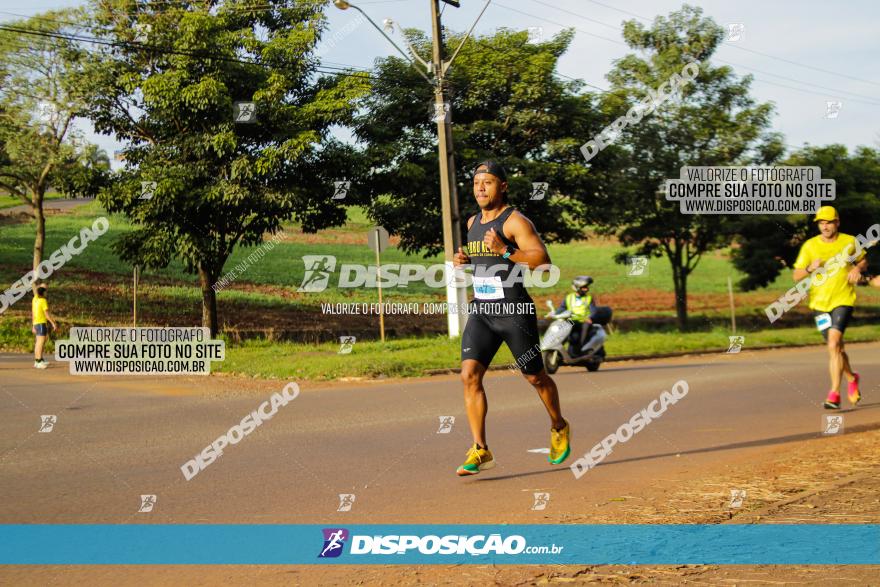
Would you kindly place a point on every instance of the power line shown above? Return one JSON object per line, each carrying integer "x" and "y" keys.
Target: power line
{"x": 162, "y": 50}
{"x": 720, "y": 60}
{"x": 645, "y": 18}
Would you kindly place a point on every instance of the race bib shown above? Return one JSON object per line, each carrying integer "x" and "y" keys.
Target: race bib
{"x": 488, "y": 288}
{"x": 823, "y": 321}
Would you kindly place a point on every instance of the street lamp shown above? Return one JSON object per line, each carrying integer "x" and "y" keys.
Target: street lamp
{"x": 345, "y": 5}
{"x": 455, "y": 296}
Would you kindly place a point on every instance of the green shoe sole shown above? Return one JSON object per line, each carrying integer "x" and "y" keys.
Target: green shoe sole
{"x": 562, "y": 457}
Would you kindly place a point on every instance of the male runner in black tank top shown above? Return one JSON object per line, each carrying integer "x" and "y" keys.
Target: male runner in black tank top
{"x": 499, "y": 239}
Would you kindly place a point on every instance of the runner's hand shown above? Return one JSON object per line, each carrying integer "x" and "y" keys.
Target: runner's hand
{"x": 461, "y": 258}
{"x": 492, "y": 242}
{"x": 34, "y": 329}
{"x": 854, "y": 275}
{"x": 814, "y": 265}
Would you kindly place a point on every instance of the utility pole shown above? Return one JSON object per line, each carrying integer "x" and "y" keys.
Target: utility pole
{"x": 456, "y": 297}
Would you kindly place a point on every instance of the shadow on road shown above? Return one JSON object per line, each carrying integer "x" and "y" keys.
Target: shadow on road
{"x": 733, "y": 446}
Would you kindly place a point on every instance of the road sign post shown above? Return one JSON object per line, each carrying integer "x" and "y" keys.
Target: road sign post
{"x": 378, "y": 241}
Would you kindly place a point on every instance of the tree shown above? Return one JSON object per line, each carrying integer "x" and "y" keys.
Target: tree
{"x": 768, "y": 245}
{"x": 86, "y": 176}
{"x": 507, "y": 103}
{"x": 38, "y": 105}
{"x": 712, "y": 121}
{"x": 224, "y": 175}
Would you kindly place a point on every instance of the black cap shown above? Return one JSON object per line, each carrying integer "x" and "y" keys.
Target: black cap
{"x": 492, "y": 167}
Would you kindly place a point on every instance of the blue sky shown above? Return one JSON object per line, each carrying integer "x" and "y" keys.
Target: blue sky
{"x": 802, "y": 54}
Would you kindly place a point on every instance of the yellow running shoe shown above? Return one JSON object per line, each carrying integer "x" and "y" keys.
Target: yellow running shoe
{"x": 559, "y": 445}
{"x": 478, "y": 459}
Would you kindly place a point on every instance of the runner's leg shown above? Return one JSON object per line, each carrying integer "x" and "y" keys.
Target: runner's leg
{"x": 520, "y": 332}
{"x": 38, "y": 347}
{"x": 475, "y": 403}
{"x": 835, "y": 353}
{"x": 847, "y": 369}
{"x": 479, "y": 343}
{"x": 549, "y": 394}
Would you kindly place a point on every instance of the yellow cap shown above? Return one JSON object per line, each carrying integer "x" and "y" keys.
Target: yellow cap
{"x": 826, "y": 213}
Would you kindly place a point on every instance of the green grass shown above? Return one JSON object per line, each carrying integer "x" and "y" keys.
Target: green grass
{"x": 283, "y": 265}
{"x": 7, "y": 201}
{"x": 173, "y": 294}
{"x": 417, "y": 356}
{"x": 414, "y": 357}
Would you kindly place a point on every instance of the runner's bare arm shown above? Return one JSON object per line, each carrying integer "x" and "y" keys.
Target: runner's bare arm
{"x": 801, "y": 273}
{"x": 855, "y": 274}
{"x": 51, "y": 320}
{"x": 530, "y": 248}
{"x": 461, "y": 257}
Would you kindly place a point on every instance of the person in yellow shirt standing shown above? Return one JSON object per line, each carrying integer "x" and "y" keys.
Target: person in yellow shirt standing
{"x": 41, "y": 321}
{"x": 825, "y": 259}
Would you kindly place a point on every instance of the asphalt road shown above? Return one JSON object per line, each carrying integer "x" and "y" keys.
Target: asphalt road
{"x": 117, "y": 438}
{"x": 54, "y": 205}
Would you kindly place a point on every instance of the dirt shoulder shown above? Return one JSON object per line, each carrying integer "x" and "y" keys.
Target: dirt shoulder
{"x": 832, "y": 479}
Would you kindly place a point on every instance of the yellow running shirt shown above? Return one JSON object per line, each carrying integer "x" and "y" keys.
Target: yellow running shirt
{"x": 835, "y": 290}
{"x": 38, "y": 309}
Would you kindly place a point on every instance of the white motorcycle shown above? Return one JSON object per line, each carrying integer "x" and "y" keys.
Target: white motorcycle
{"x": 557, "y": 350}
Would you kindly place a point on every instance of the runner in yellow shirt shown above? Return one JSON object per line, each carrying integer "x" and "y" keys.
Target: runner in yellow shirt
{"x": 41, "y": 320}
{"x": 832, "y": 295}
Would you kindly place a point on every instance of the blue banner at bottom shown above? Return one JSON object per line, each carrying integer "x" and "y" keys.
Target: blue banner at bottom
{"x": 173, "y": 544}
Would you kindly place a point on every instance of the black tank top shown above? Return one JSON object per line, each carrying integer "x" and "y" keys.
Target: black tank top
{"x": 497, "y": 281}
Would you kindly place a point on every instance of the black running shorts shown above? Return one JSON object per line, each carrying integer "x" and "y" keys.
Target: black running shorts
{"x": 484, "y": 334}
{"x": 839, "y": 319}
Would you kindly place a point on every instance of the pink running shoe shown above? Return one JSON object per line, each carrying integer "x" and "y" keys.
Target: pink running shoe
{"x": 852, "y": 390}
{"x": 832, "y": 402}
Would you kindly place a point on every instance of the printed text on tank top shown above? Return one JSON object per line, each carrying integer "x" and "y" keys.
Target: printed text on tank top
{"x": 491, "y": 270}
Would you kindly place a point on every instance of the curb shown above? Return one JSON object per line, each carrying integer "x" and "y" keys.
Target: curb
{"x": 621, "y": 358}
